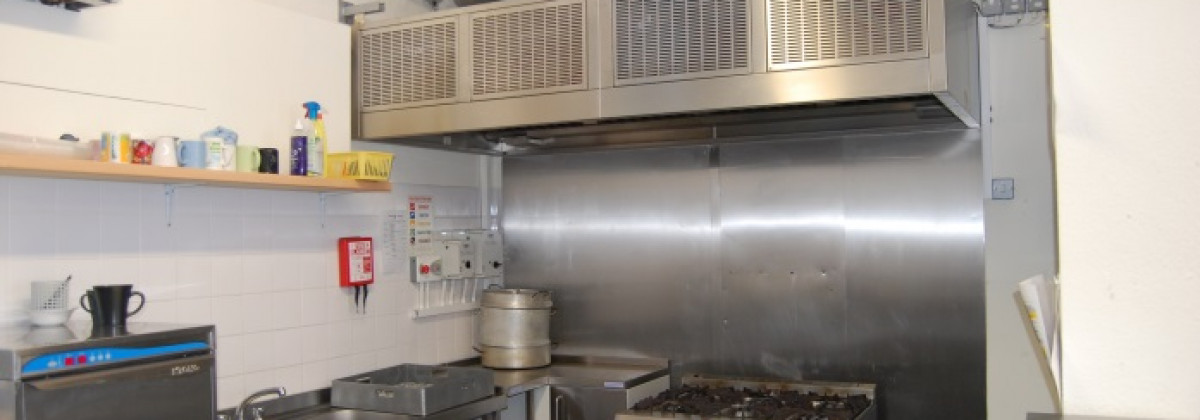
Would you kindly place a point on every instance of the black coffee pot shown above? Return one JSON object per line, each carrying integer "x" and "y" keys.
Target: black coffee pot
{"x": 109, "y": 304}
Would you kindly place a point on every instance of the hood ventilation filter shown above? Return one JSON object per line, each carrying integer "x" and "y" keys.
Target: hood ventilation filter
{"x": 816, "y": 33}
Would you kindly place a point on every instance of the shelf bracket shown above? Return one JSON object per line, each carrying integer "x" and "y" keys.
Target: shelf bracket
{"x": 169, "y": 192}
{"x": 324, "y": 200}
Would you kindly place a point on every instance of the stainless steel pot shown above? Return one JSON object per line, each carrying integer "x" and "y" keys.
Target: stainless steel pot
{"x": 514, "y": 328}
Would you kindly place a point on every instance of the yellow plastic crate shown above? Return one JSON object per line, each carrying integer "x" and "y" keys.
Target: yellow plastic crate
{"x": 372, "y": 166}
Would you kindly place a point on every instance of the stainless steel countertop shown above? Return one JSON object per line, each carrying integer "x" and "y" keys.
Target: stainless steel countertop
{"x": 574, "y": 371}
{"x": 578, "y": 371}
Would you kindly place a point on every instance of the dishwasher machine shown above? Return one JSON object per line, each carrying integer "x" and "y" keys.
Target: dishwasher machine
{"x": 138, "y": 371}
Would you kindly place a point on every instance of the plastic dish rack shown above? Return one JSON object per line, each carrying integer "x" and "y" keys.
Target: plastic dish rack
{"x": 370, "y": 166}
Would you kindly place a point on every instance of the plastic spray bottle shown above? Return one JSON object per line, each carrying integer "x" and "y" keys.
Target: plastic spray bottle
{"x": 299, "y": 155}
{"x": 316, "y": 140}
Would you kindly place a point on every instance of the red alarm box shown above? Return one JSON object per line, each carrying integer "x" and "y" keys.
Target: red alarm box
{"x": 356, "y": 261}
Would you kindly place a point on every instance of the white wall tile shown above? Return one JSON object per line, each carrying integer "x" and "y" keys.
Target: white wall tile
{"x": 229, "y": 315}
{"x": 33, "y": 234}
{"x": 341, "y": 307}
{"x": 33, "y": 196}
{"x": 230, "y": 391}
{"x": 285, "y": 272}
{"x": 231, "y": 356}
{"x": 316, "y": 343}
{"x": 285, "y": 309}
{"x": 122, "y": 198}
{"x": 260, "y": 352}
{"x": 314, "y": 306}
{"x": 120, "y": 232}
{"x": 316, "y": 376}
{"x": 257, "y": 313}
{"x": 122, "y": 269}
{"x": 256, "y": 381}
{"x": 158, "y": 276}
{"x": 194, "y": 311}
{"x": 155, "y": 312}
{"x": 387, "y": 331}
{"x": 363, "y": 362}
{"x": 257, "y": 274}
{"x": 227, "y": 277}
{"x": 191, "y": 233}
{"x": 194, "y": 277}
{"x": 341, "y": 367}
{"x": 291, "y": 378}
{"x": 288, "y": 346}
{"x": 227, "y": 234}
{"x": 363, "y": 334}
{"x": 341, "y": 334}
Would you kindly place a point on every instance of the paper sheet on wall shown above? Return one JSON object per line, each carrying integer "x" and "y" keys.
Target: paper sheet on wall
{"x": 394, "y": 245}
{"x": 1041, "y": 304}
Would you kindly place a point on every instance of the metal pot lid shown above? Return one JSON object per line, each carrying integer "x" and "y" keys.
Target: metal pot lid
{"x": 516, "y": 299}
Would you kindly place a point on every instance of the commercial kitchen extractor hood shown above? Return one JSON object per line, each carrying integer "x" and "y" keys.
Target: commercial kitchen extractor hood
{"x": 538, "y": 63}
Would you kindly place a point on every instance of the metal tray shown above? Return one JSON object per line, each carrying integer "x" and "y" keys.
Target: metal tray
{"x": 413, "y": 389}
{"x": 818, "y": 387}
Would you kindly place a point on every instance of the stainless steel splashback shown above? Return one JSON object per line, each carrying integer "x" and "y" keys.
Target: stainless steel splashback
{"x": 855, "y": 257}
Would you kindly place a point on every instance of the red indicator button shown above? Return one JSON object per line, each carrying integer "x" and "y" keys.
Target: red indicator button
{"x": 425, "y": 269}
{"x": 82, "y": 359}
{"x": 70, "y": 361}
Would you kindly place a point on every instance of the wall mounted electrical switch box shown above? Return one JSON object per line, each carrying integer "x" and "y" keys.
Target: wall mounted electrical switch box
{"x": 452, "y": 261}
{"x": 490, "y": 249}
{"x": 426, "y": 268}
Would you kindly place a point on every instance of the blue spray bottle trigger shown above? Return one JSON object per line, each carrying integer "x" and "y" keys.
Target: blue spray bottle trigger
{"x": 313, "y": 108}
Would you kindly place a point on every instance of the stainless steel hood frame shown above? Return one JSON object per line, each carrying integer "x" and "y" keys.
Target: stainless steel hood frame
{"x": 947, "y": 69}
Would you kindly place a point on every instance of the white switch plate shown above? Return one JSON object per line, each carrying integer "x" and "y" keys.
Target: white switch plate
{"x": 491, "y": 253}
{"x": 451, "y": 259}
{"x": 1004, "y": 189}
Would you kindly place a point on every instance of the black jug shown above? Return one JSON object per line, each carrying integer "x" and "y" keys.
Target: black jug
{"x": 109, "y": 304}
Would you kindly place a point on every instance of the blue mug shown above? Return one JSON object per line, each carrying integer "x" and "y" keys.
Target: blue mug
{"x": 192, "y": 154}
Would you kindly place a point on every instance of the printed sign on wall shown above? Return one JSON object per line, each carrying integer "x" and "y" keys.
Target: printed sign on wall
{"x": 420, "y": 224}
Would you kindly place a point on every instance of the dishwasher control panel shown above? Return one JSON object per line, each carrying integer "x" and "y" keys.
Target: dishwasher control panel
{"x": 65, "y": 360}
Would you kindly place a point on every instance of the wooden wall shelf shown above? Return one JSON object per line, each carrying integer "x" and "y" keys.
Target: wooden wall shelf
{"x": 50, "y": 167}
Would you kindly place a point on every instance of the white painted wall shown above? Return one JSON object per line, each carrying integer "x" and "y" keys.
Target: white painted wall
{"x": 1128, "y": 156}
{"x": 328, "y": 9}
{"x": 179, "y": 67}
{"x": 257, "y": 264}
{"x": 1020, "y": 233}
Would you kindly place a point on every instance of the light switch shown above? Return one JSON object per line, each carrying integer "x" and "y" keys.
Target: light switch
{"x": 1003, "y": 189}
{"x": 491, "y": 254}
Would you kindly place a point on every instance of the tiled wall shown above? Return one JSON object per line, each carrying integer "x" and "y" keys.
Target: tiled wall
{"x": 258, "y": 264}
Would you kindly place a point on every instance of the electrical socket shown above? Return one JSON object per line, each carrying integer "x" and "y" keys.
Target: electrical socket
{"x": 989, "y": 8}
{"x": 1014, "y": 7}
{"x": 1037, "y": 5}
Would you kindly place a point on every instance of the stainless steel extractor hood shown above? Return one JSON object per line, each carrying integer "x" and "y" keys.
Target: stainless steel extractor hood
{"x": 537, "y": 63}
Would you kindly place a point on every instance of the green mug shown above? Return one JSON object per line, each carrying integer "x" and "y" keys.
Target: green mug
{"x": 247, "y": 159}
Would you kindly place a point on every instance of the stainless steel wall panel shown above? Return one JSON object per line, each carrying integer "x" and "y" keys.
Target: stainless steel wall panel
{"x": 783, "y": 295}
{"x": 624, "y": 240}
{"x": 851, "y": 257}
{"x": 914, "y": 237}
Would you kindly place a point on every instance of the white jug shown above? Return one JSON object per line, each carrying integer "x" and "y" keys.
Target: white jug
{"x": 164, "y": 152}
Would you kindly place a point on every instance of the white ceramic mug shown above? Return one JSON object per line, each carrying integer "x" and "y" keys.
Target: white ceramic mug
{"x": 164, "y": 152}
{"x": 219, "y": 156}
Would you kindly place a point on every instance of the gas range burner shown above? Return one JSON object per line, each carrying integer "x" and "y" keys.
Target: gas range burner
{"x": 721, "y": 399}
